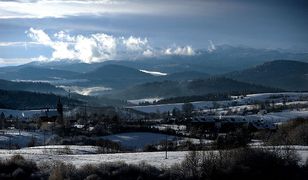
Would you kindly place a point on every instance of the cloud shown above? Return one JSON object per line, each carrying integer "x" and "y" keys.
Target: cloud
{"x": 39, "y": 36}
{"x": 135, "y": 43}
{"x": 16, "y": 61}
{"x": 64, "y": 36}
{"x": 68, "y": 8}
{"x": 148, "y": 53}
{"x": 94, "y": 48}
{"x": 211, "y": 47}
{"x": 56, "y": 8}
{"x": 4, "y": 44}
{"x": 184, "y": 51}
{"x": 17, "y": 43}
{"x": 99, "y": 47}
{"x": 39, "y": 58}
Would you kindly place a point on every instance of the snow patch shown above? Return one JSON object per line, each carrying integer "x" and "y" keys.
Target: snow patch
{"x": 154, "y": 73}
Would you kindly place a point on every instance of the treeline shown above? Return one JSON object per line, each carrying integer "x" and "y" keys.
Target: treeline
{"x": 30, "y": 100}
{"x": 187, "y": 99}
{"x": 197, "y": 87}
{"x": 30, "y": 86}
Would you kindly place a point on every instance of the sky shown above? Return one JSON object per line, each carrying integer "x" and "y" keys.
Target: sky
{"x": 100, "y": 30}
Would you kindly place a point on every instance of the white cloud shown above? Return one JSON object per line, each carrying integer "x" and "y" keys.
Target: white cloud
{"x": 3, "y": 44}
{"x": 183, "y": 51}
{"x": 148, "y": 53}
{"x": 40, "y": 58}
{"x": 211, "y": 47}
{"x": 93, "y": 48}
{"x": 17, "y": 61}
{"x": 67, "y": 8}
{"x": 57, "y": 8}
{"x": 64, "y": 36}
{"x": 100, "y": 47}
{"x": 135, "y": 43}
{"x": 18, "y": 44}
{"x": 39, "y": 36}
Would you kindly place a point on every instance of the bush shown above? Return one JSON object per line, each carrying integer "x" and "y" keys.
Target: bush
{"x": 239, "y": 138}
{"x": 239, "y": 164}
{"x": 62, "y": 171}
{"x": 17, "y": 168}
{"x": 292, "y": 133}
{"x": 32, "y": 142}
{"x": 150, "y": 148}
{"x": 119, "y": 170}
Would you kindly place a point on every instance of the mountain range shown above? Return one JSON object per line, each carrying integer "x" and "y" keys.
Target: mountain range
{"x": 284, "y": 74}
{"x": 227, "y": 69}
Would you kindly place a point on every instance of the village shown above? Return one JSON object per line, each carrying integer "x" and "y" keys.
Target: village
{"x": 187, "y": 123}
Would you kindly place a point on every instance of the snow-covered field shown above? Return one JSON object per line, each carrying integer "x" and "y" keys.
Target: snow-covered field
{"x": 274, "y": 117}
{"x": 50, "y": 155}
{"x": 132, "y": 140}
{"x": 284, "y": 116}
{"x": 154, "y": 158}
{"x": 22, "y": 138}
{"x": 138, "y": 140}
{"x": 239, "y": 100}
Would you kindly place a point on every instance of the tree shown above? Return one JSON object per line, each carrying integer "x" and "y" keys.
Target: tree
{"x": 187, "y": 108}
{"x": 2, "y": 119}
{"x": 175, "y": 112}
{"x": 60, "y": 112}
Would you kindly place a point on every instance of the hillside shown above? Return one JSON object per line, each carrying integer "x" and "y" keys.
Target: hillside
{"x": 116, "y": 76}
{"x": 190, "y": 88}
{"x": 30, "y": 86}
{"x": 284, "y": 74}
{"x": 182, "y": 76}
{"x": 30, "y": 100}
{"x": 35, "y": 73}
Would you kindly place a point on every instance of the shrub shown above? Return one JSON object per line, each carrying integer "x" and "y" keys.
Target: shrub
{"x": 17, "y": 168}
{"x": 239, "y": 138}
{"x": 292, "y": 133}
{"x": 150, "y": 148}
{"x": 62, "y": 171}
{"x": 239, "y": 164}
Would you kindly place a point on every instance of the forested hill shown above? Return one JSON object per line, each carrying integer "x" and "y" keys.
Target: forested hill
{"x": 167, "y": 89}
{"x": 30, "y": 100}
{"x": 30, "y": 86}
{"x": 284, "y": 74}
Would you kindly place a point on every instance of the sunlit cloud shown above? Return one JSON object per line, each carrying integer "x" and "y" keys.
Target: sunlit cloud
{"x": 22, "y": 43}
{"x": 94, "y": 48}
{"x": 57, "y": 8}
{"x": 211, "y": 47}
{"x": 67, "y": 8}
{"x": 99, "y": 47}
{"x": 16, "y": 61}
{"x": 184, "y": 51}
{"x": 135, "y": 43}
{"x": 148, "y": 53}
